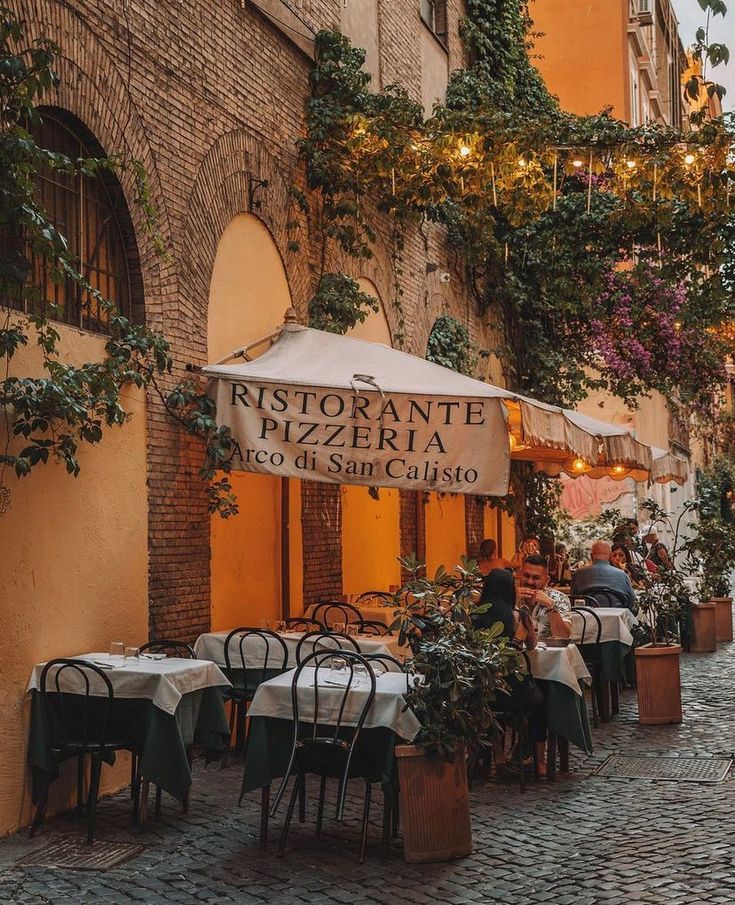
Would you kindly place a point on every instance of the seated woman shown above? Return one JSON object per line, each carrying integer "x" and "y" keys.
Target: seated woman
{"x": 489, "y": 559}
{"x": 619, "y": 557}
{"x": 499, "y": 592}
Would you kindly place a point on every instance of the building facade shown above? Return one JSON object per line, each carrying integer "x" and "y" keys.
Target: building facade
{"x": 212, "y": 106}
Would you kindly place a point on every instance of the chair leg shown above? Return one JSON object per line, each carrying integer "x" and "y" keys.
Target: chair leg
{"x": 320, "y": 805}
{"x": 80, "y": 783}
{"x": 265, "y": 797}
{"x": 145, "y": 788}
{"x": 302, "y": 801}
{"x": 593, "y": 696}
{"x": 233, "y": 709}
{"x": 135, "y": 786}
{"x": 614, "y": 698}
{"x": 365, "y": 816}
{"x": 94, "y": 789}
{"x": 289, "y": 815}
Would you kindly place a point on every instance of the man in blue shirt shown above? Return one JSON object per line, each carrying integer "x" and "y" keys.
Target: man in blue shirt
{"x": 602, "y": 574}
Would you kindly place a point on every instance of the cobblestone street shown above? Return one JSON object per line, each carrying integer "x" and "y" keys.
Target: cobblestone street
{"x": 585, "y": 839}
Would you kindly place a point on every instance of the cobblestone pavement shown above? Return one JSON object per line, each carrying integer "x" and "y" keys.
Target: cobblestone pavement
{"x": 584, "y": 840}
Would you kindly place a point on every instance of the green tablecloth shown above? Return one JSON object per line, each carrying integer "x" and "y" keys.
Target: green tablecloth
{"x": 269, "y": 748}
{"x": 566, "y": 714}
{"x": 161, "y": 738}
{"x": 618, "y": 664}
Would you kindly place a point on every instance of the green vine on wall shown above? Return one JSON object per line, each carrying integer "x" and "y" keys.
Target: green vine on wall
{"x": 339, "y": 304}
{"x": 449, "y": 345}
{"x": 53, "y": 416}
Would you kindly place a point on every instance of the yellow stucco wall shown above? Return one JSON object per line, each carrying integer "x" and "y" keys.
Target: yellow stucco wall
{"x": 582, "y": 53}
{"x": 445, "y": 531}
{"x": 74, "y": 573}
{"x": 248, "y": 296}
{"x": 371, "y": 542}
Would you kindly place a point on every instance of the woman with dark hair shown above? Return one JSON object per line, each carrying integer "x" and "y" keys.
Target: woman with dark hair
{"x": 499, "y": 595}
{"x": 499, "y": 591}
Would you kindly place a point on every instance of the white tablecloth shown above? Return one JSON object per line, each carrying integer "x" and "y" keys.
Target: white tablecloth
{"x": 163, "y": 682}
{"x": 616, "y": 623}
{"x": 211, "y": 646}
{"x": 560, "y": 664}
{"x": 273, "y": 699}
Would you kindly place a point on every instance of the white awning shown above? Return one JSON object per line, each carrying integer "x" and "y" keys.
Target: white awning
{"x": 668, "y": 467}
{"x": 325, "y": 407}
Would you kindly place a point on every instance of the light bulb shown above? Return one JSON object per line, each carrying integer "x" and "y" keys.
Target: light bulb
{"x": 465, "y": 151}
{"x": 618, "y": 469}
{"x": 630, "y": 164}
{"x": 579, "y": 465}
{"x": 689, "y": 159}
{"x": 577, "y": 163}
{"x": 522, "y": 162}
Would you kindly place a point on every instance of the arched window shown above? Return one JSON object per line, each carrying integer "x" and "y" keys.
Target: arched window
{"x": 92, "y": 215}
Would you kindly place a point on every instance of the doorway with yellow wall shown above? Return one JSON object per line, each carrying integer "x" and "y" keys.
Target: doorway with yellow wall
{"x": 371, "y": 541}
{"x": 248, "y": 296}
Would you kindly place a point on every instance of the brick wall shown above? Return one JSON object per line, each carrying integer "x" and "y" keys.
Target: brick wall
{"x": 217, "y": 104}
{"x": 474, "y": 512}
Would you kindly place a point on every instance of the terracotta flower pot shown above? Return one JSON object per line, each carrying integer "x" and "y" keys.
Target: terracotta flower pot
{"x": 435, "y": 807}
{"x": 658, "y": 684}
{"x": 704, "y": 636}
{"x": 723, "y": 618}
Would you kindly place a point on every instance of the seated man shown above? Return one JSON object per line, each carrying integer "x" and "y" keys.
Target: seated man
{"x": 602, "y": 574}
{"x": 489, "y": 560}
{"x": 551, "y": 610}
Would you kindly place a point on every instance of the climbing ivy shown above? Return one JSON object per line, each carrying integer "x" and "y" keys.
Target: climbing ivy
{"x": 52, "y": 416}
{"x": 339, "y": 304}
{"x": 449, "y": 345}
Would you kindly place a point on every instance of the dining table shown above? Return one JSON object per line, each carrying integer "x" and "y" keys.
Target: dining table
{"x": 164, "y": 705}
{"x": 562, "y": 674}
{"x": 270, "y": 735}
{"x": 211, "y": 646}
{"x": 372, "y": 612}
{"x": 616, "y": 639}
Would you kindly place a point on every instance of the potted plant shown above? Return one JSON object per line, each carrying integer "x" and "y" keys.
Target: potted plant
{"x": 712, "y": 552}
{"x": 666, "y": 608}
{"x": 459, "y": 671}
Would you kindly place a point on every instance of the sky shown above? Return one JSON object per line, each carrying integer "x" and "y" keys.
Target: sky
{"x": 721, "y": 30}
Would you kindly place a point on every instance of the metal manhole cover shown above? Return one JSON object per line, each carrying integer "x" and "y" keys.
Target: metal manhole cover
{"x": 78, "y": 855}
{"x": 655, "y": 766}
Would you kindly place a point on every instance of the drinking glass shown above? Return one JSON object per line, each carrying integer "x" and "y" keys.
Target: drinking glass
{"x": 338, "y": 669}
{"x": 131, "y": 656}
{"x": 339, "y": 627}
{"x": 281, "y": 626}
{"x": 117, "y": 651}
{"x": 353, "y": 628}
{"x": 360, "y": 674}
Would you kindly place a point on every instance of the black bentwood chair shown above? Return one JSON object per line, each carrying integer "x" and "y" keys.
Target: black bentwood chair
{"x": 378, "y": 597}
{"x": 326, "y": 751}
{"x": 325, "y": 640}
{"x": 373, "y": 627}
{"x": 605, "y": 597}
{"x": 304, "y": 624}
{"x": 171, "y": 647}
{"x": 591, "y": 649}
{"x": 245, "y": 679}
{"x": 78, "y": 724}
{"x": 331, "y": 613}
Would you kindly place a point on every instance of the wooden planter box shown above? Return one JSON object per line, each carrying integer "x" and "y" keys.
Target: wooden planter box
{"x": 704, "y": 636}
{"x": 658, "y": 684}
{"x": 435, "y": 807}
{"x": 723, "y": 617}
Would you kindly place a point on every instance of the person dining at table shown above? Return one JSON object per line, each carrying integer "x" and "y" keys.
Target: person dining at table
{"x": 489, "y": 559}
{"x": 619, "y": 559}
{"x": 601, "y": 573}
{"x": 530, "y": 546}
{"x": 499, "y": 596}
{"x": 551, "y": 609}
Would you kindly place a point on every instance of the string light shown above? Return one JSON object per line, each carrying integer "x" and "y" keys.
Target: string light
{"x": 465, "y": 150}
{"x": 522, "y": 163}
{"x": 577, "y": 163}
{"x": 579, "y": 466}
{"x": 619, "y": 471}
{"x": 631, "y": 164}
{"x": 689, "y": 159}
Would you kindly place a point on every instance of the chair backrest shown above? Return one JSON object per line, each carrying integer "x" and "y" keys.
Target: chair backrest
{"x": 76, "y": 718}
{"x": 378, "y": 597}
{"x": 324, "y": 640}
{"x": 260, "y": 641}
{"x": 340, "y": 612}
{"x": 303, "y": 623}
{"x": 586, "y": 612}
{"x": 171, "y": 647}
{"x": 605, "y": 597}
{"x": 391, "y": 665}
{"x": 321, "y": 606}
{"x": 373, "y": 627}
